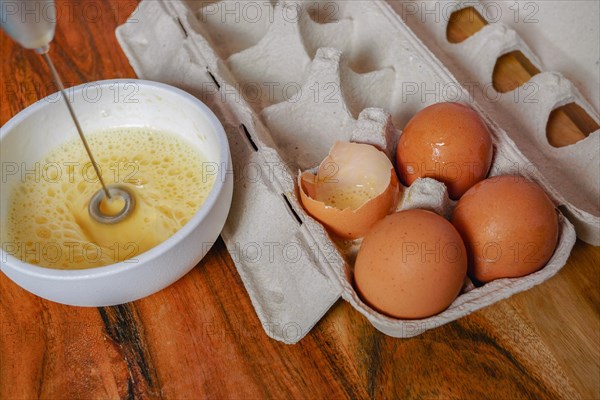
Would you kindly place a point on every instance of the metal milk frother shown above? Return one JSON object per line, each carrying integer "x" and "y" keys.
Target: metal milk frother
{"x": 32, "y": 24}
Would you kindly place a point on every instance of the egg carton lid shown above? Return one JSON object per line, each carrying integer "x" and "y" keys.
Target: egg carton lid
{"x": 557, "y": 35}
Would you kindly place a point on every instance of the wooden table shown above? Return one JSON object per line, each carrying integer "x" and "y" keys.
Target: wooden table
{"x": 201, "y": 338}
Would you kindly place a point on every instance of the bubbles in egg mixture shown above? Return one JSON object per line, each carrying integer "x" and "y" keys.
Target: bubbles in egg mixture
{"x": 48, "y": 220}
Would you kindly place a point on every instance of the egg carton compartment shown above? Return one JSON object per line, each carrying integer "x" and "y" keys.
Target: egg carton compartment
{"x": 352, "y": 93}
{"x": 572, "y": 171}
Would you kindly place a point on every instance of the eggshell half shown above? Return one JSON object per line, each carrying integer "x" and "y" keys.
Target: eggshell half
{"x": 355, "y": 187}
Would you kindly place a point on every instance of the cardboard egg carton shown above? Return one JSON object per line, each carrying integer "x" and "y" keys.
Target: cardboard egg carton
{"x": 343, "y": 66}
{"x": 572, "y": 172}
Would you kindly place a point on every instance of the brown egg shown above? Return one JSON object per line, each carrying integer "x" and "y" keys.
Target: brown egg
{"x": 509, "y": 225}
{"x": 355, "y": 186}
{"x": 447, "y": 142}
{"x": 412, "y": 264}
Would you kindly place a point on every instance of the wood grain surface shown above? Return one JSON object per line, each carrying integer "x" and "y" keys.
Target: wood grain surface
{"x": 200, "y": 338}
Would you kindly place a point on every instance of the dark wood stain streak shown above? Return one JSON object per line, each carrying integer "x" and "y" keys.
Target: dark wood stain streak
{"x": 130, "y": 390}
{"x": 592, "y": 300}
{"x": 482, "y": 340}
{"x": 70, "y": 68}
{"x": 374, "y": 362}
{"x": 41, "y": 381}
{"x": 335, "y": 359}
{"x": 122, "y": 326}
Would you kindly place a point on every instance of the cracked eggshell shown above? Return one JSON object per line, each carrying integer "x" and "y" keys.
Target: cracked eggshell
{"x": 355, "y": 186}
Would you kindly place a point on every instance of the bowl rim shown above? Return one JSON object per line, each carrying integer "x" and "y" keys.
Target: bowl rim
{"x": 11, "y": 262}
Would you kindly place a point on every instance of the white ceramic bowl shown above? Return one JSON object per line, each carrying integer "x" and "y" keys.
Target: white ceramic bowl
{"x": 28, "y": 137}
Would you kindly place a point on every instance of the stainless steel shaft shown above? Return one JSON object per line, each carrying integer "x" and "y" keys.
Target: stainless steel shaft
{"x": 61, "y": 87}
